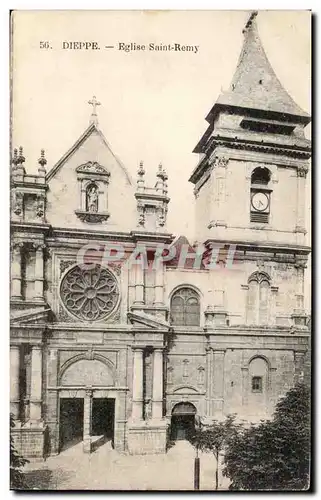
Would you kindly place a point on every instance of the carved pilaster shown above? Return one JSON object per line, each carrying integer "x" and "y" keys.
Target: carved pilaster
{"x": 16, "y": 278}
{"x": 157, "y": 408}
{"x": 299, "y": 317}
{"x": 14, "y": 380}
{"x": 137, "y": 402}
{"x": 220, "y": 165}
{"x": 39, "y": 271}
{"x": 302, "y": 171}
{"x": 299, "y": 358}
{"x": 36, "y": 383}
{"x": 218, "y": 382}
{"x": 87, "y": 420}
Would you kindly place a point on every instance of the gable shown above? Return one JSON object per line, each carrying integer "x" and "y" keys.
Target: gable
{"x": 29, "y": 316}
{"x": 90, "y": 162}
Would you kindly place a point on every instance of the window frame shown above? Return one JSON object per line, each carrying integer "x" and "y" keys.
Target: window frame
{"x": 257, "y": 378}
{"x": 188, "y": 318}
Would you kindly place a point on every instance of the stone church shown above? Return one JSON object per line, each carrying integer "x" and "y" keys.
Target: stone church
{"x": 131, "y": 353}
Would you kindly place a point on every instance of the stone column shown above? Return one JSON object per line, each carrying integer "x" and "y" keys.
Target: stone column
{"x": 159, "y": 284}
{"x": 137, "y": 407}
{"x": 139, "y": 285}
{"x": 36, "y": 383}
{"x": 16, "y": 271}
{"x": 218, "y": 381}
{"x": 301, "y": 176}
{"x": 157, "y": 409}
{"x": 39, "y": 272}
{"x": 88, "y": 405}
{"x": 14, "y": 380}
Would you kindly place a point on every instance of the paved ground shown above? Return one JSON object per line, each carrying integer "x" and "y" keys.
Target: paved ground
{"x": 106, "y": 469}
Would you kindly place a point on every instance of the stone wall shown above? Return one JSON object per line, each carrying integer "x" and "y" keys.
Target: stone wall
{"x": 30, "y": 440}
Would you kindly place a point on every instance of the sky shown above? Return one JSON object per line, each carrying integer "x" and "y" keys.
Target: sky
{"x": 153, "y": 104}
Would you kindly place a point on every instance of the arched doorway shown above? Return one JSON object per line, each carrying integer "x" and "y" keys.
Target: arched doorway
{"x": 183, "y": 421}
{"x": 87, "y": 412}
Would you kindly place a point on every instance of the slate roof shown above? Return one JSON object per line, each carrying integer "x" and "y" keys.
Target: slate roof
{"x": 255, "y": 85}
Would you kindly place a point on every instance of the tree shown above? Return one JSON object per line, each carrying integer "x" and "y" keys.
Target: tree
{"x": 275, "y": 454}
{"x": 16, "y": 462}
{"x": 214, "y": 438}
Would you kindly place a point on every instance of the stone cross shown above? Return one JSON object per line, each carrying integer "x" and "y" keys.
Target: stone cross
{"x": 94, "y": 103}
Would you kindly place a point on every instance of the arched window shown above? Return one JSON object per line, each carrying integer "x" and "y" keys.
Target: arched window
{"x": 258, "y": 369}
{"x": 258, "y": 388}
{"x": 258, "y": 299}
{"x": 261, "y": 175}
{"x": 260, "y": 195}
{"x": 185, "y": 308}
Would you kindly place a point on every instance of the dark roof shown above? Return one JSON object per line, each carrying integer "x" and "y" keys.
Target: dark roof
{"x": 255, "y": 85}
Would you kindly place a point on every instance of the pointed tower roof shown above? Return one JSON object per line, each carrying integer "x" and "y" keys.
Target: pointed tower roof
{"x": 255, "y": 86}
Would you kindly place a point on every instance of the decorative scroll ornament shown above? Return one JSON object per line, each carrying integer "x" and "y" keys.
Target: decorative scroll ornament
{"x": 18, "y": 203}
{"x": 141, "y": 214}
{"x": 89, "y": 294}
{"x": 40, "y": 206}
{"x": 92, "y": 167}
{"x": 161, "y": 217}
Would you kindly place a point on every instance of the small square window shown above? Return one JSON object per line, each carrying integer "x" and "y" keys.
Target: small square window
{"x": 257, "y": 385}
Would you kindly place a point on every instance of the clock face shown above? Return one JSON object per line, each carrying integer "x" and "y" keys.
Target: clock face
{"x": 260, "y": 201}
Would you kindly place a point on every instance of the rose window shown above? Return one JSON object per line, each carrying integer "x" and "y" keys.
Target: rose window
{"x": 89, "y": 294}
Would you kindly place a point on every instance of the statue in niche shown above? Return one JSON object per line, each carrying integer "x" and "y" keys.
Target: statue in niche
{"x": 92, "y": 198}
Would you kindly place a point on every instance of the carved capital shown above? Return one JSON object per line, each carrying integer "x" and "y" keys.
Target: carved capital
{"x": 89, "y": 392}
{"x": 301, "y": 261}
{"x": 17, "y": 246}
{"x": 90, "y": 353}
{"x": 38, "y": 247}
{"x": 221, "y": 161}
{"x": 302, "y": 171}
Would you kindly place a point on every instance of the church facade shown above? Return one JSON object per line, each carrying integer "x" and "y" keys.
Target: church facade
{"x": 122, "y": 330}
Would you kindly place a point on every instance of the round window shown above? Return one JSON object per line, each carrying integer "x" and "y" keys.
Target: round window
{"x": 89, "y": 294}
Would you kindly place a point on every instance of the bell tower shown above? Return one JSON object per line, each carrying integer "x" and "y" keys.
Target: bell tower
{"x": 250, "y": 180}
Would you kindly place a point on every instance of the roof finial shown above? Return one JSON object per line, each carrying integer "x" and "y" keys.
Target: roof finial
{"x": 141, "y": 170}
{"x": 15, "y": 158}
{"x": 160, "y": 171}
{"x": 21, "y": 159}
{"x": 94, "y": 103}
{"x": 140, "y": 179}
{"x": 250, "y": 21}
{"x": 42, "y": 162}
